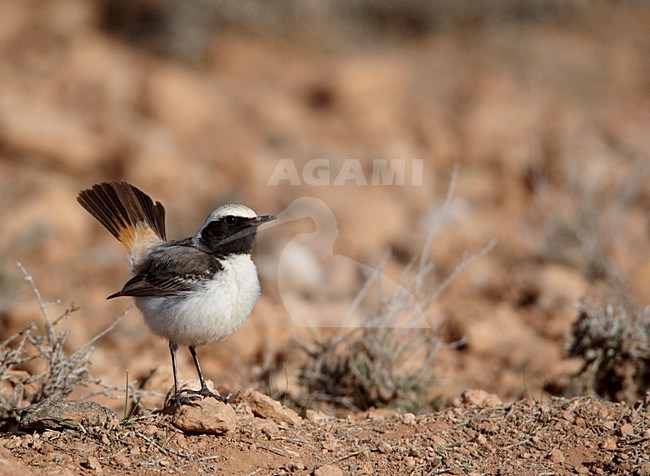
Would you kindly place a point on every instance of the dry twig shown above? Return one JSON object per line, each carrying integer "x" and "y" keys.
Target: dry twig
{"x": 58, "y": 372}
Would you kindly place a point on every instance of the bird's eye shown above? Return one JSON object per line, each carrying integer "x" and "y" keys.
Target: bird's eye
{"x": 230, "y": 220}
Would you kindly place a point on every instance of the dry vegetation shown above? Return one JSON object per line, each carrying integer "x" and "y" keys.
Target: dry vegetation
{"x": 35, "y": 364}
{"x": 615, "y": 346}
{"x": 389, "y": 360}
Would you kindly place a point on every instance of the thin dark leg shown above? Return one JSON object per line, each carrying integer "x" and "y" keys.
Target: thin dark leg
{"x": 198, "y": 367}
{"x": 177, "y": 400}
{"x": 205, "y": 392}
{"x": 172, "y": 350}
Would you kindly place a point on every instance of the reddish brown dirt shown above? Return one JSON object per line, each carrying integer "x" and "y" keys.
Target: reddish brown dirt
{"x": 547, "y": 119}
{"x": 479, "y": 436}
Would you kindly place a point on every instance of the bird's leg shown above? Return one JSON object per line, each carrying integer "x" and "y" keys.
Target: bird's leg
{"x": 177, "y": 399}
{"x": 172, "y": 350}
{"x": 204, "y": 391}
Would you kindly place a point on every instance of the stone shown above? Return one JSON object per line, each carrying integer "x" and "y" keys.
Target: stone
{"x": 263, "y": 406}
{"x": 328, "y": 470}
{"x": 557, "y": 456}
{"x": 609, "y": 443}
{"x": 626, "y": 429}
{"x": 94, "y": 464}
{"x": 211, "y": 417}
{"x": 470, "y": 398}
{"x": 59, "y": 414}
{"x": 268, "y": 427}
{"x": 316, "y": 416}
{"x": 409, "y": 419}
{"x": 384, "y": 448}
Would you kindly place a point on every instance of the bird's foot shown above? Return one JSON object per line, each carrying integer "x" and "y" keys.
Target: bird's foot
{"x": 205, "y": 392}
{"x": 177, "y": 400}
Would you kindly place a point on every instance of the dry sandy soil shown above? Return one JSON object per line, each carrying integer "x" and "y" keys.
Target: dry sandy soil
{"x": 537, "y": 116}
{"x": 478, "y": 435}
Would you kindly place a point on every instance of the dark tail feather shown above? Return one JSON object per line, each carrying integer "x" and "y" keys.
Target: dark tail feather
{"x": 127, "y": 212}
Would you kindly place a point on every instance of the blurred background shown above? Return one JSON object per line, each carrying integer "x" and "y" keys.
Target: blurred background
{"x": 536, "y": 113}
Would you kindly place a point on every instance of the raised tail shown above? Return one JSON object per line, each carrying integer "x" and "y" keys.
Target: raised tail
{"x": 129, "y": 214}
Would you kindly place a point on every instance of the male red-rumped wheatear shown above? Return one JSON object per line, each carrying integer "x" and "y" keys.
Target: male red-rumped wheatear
{"x": 194, "y": 291}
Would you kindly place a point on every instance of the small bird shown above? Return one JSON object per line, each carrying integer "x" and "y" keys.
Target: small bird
{"x": 192, "y": 292}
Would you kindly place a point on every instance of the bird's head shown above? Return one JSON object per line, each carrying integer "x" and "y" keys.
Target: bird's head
{"x": 230, "y": 229}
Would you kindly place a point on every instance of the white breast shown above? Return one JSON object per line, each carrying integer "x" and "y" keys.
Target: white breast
{"x": 208, "y": 315}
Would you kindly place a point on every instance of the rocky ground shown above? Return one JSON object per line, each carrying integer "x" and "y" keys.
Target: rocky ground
{"x": 479, "y": 434}
{"x": 537, "y": 120}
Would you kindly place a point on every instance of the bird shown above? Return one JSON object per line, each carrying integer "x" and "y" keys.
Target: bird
{"x": 192, "y": 292}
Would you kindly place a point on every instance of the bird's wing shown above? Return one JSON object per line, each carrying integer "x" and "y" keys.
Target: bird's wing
{"x": 171, "y": 270}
